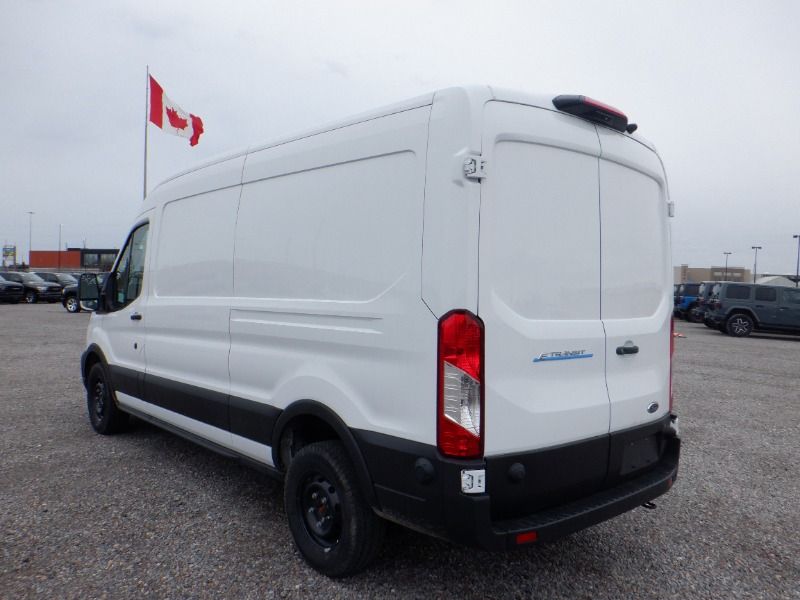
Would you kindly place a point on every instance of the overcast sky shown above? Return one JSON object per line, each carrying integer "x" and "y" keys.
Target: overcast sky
{"x": 714, "y": 85}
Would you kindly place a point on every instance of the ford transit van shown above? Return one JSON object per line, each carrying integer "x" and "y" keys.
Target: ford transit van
{"x": 453, "y": 313}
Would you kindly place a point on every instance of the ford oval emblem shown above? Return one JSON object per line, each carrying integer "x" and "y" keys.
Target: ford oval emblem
{"x": 653, "y": 407}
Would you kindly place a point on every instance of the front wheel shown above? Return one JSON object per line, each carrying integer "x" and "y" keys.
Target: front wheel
{"x": 31, "y": 297}
{"x": 333, "y": 526}
{"x": 72, "y": 305}
{"x": 106, "y": 418}
{"x": 739, "y": 325}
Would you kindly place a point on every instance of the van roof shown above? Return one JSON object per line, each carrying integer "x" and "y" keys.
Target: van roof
{"x": 476, "y": 93}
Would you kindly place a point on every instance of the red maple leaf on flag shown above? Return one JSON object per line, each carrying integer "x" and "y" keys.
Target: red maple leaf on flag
{"x": 176, "y": 121}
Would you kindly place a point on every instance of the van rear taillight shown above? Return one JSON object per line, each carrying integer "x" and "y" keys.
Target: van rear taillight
{"x": 593, "y": 110}
{"x": 459, "y": 418}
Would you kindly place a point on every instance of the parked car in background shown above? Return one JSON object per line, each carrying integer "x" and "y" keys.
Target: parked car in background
{"x": 10, "y": 291}
{"x": 61, "y": 278}
{"x": 36, "y": 288}
{"x": 686, "y": 299}
{"x": 741, "y": 308}
{"x": 69, "y": 295}
{"x": 698, "y": 313}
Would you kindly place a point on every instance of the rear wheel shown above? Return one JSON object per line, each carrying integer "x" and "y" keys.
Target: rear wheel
{"x": 104, "y": 415}
{"x": 333, "y": 526}
{"x": 31, "y": 297}
{"x": 739, "y": 325}
{"x": 72, "y": 305}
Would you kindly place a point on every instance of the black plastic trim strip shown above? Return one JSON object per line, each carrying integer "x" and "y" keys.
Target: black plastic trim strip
{"x": 221, "y": 450}
{"x": 246, "y": 418}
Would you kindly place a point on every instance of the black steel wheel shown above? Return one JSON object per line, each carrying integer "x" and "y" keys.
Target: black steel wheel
{"x": 106, "y": 418}
{"x": 31, "y": 297}
{"x": 739, "y": 325}
{"x": 333, "y": 526}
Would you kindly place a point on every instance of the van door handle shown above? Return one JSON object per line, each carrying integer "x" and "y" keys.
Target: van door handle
{"x": 623, "y": 350}
{"x": 136, "y": 317}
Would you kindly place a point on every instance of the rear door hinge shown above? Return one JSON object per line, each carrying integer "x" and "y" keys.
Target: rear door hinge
{"x": 474, "y": 167}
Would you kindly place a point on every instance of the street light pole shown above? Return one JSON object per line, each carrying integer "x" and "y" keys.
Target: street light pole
{"x": 755, "y": 261}
{"x": 797, "y": 271}
{"x": 60, "y": 225}
{"x": 725, "y": 277}
{"x": 30, "y": 235}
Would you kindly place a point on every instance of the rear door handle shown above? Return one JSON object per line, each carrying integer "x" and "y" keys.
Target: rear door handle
{"x": 623, "y": 350}
{"x": 136, "y": 317}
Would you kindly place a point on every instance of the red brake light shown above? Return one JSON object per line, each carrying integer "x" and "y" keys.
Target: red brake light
{"x": 593, "y": 110}
{"x": 527, "y": 537}
{"x": 459, "y": 418}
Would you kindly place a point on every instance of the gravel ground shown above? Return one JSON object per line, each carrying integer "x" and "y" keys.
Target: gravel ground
{"x": 148, "y": 514}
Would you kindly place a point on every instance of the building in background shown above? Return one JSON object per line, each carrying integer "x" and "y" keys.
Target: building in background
{"x": 687, "y": 274}
{"x": 90, "y": 259}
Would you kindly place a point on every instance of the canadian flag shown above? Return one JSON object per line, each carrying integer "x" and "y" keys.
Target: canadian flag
{"x": 170, "y": 117}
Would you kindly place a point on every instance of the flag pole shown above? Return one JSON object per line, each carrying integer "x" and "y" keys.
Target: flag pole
{"x": 146, "y": 116}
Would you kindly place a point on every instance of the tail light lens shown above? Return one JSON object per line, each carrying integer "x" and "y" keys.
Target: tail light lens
{"x": 459, "y": 419}
{"x": 671, "y": 353}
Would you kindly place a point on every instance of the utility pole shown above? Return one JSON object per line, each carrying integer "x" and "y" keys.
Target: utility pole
{"x": 30, "y": 235}
{"x": 797, "y": 270}
{"x": 60, "y": 225}
{"x": 755, "y": 261}
{"x": 725, "y": 277}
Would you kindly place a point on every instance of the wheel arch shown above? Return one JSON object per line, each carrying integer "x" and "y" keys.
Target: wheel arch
{"x": 92, "y": 355}
{"x": 742, "y": 310}
{"x": 319, "y": 422}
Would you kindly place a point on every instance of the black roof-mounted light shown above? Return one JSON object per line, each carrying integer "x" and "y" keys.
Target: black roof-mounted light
{"x": 592, "y": 110}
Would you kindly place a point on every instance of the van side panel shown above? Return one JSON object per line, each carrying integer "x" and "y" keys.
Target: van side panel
{"x": 188, "y": 309}
{"x": 637, "y": 295}
{"x": 327, "y": 278}
{"x": 452, "y": 202}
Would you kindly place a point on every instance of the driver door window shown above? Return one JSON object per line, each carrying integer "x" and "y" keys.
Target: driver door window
{"x": 128, "y": 276}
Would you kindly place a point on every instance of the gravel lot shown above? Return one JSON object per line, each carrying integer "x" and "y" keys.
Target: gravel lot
{"x": 148, "y": 514}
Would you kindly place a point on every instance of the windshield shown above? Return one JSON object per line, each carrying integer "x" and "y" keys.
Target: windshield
{"x": 66, "y": 278}
{"x": 689, "y": 289}
{"x": 32, "y": 278}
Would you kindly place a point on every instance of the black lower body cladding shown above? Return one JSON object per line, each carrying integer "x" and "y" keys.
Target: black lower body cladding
{"x": 554, "y": 491}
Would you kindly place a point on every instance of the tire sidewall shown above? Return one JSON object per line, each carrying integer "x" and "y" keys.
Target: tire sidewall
{"x": 31, "y": 297}
{"x": 744, "y": 319}
{"x": 72, "y": 305}
{"x": 101, "y": 424}
{"x": 336, "y": 561}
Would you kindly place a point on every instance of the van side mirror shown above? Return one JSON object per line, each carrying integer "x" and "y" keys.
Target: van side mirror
{"x": 89, "y": 292}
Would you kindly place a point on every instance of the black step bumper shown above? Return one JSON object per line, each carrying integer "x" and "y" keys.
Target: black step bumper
{"x": 565, "y": 489}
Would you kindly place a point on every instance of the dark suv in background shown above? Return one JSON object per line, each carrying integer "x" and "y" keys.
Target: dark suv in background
{"x": 741, "y": 308}
{"x": 686, "y": 299}
{"x": 36, "y": 288}
{"x": 701, "y": 307}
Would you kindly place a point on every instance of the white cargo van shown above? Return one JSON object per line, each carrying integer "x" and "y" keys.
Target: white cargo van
{"x": 453, "y": 313}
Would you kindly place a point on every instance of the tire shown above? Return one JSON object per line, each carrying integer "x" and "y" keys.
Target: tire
{"x": 104, "y": 415}
{"x": 739, "y": 325}
{"x": 72, "y": 305}
{"x": 31, "y": 297}
{"x": 692, "y": 317}
{"x": 338, "y": 541}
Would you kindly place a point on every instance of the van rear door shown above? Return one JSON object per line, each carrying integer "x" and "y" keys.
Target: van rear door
{"x": 636, "y": 303}
{"x": 539, "y": 283}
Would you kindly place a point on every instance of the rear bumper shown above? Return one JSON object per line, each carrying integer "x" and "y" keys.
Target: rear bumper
{"x": 545, "y": 501}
